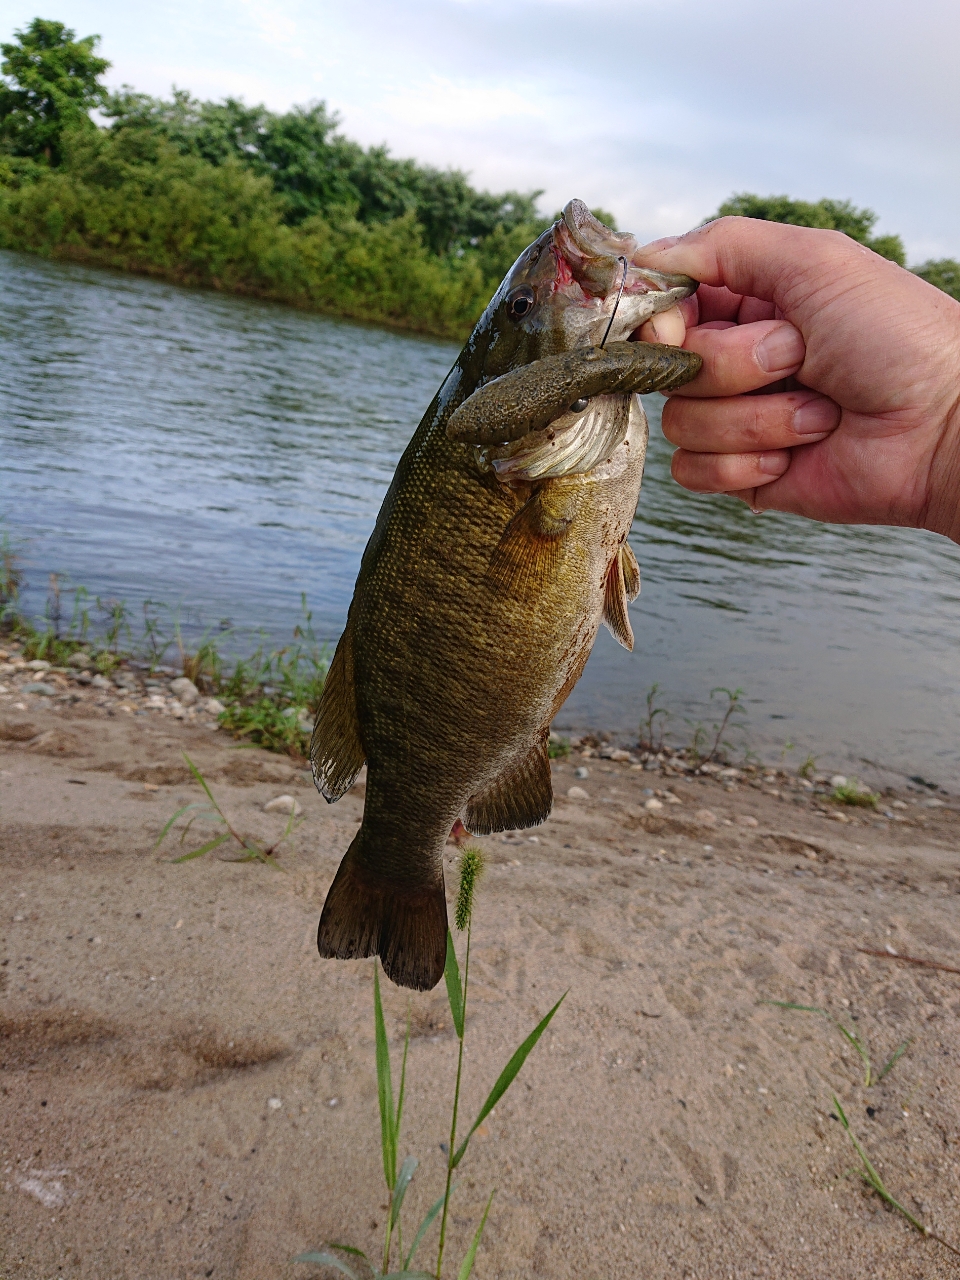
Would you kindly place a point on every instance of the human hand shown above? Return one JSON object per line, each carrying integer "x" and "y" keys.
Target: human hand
{"x": 871, "y": 432}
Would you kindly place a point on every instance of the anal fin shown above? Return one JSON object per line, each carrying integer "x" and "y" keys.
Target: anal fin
{"x": 530, "y": 549}
{"x": 615, "y": 615}
{"x": 521, "y": 796}
{"x": 336, "y": 752}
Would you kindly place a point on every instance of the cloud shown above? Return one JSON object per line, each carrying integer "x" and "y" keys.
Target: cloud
{"x": 656, "y": 109}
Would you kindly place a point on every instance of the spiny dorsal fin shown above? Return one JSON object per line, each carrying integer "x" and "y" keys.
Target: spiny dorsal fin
{"x": 522, "y": 796}
{"x": 336, "y": 752}
{"x": 529, "y": 551}
{"x": 615, "y": 614}
{"x": 631, "y": 571}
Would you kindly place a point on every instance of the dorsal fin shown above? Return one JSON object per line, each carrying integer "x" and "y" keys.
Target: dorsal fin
{"x": 336, "y": 753}
{"x": 521, "y": 796}
{"x": 615, "y": 614}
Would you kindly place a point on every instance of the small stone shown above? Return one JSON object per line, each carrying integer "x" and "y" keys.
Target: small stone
{"x": 706, "y": 817}
{"x": 41, "y": 690}
{"x": 747, "y": 820}
{"x": 838, "y": 780}
{"x": 274, "y": 1104}
{"x": 101, "y": 682}
{"x": 185, "y": 690}
{"x": 898, "y": 804}
{"x": 934, "y": 804}
{"x": 581, "y": 772}
{"x": 670, "y": 798}
{"x": 214, "y": 707}
{"x": 729, "y": 773}
{"x": 653, "y": 805}
{"x": 284, "y": 804}
{"x": 577, "y": 793}
{"x": 619, "y": 755}
{"x": 707, "y": 767}
{"x": 38, "y": 664}
{"x": 80, "y": 660}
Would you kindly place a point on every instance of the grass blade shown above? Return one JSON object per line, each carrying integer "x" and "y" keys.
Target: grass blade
{"x": 403, "y": 1076}
{"x": 424, "y": 1228}
{"x": 179, "y": 814}
{"x": 506, "y": 1078}
{"x": 872, "y": 1178}
{"x": 407, "y": 1170}
{"x": 327, "y": 1260}
{"x": 201, "y": 779}
{"x": 467, "y": 1264}
{"x": 204, "y": 848}
{"x": 451, "y": 973}
{"x": 803, "y": 1008}
{"x": 894, "y": 1058}
{"x": 857, "y": 1044}
{"x": 388, "y": 1131}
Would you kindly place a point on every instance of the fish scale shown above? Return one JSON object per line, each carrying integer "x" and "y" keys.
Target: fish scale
{"x": 478, "y": 601}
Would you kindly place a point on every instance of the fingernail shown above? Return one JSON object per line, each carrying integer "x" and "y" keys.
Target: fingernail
{"x": 781, "y": 349}
{"x": 816, "y": 417}
{"x": 773, "y": 464}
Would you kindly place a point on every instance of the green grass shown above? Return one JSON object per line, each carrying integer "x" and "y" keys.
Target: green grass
{"x": 250, "y": 849}
{"x": 356, "y": 1264}
{"x": 854, "y": 793}
{"x": 869, "y": 1076}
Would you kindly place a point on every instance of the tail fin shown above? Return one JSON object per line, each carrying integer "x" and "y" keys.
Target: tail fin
{"x": 366, "y": 914}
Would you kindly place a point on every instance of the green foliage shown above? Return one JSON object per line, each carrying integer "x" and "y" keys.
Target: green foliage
{"x": 854, "y": 793}
{"x": 51, "y": 83}
{"x": 833, "y": 215}
{"x": 869, "y": 1076}
{"x": 558, "y": 747}
{"x": 250, "y": 850}
{"x": 943, "y": 273}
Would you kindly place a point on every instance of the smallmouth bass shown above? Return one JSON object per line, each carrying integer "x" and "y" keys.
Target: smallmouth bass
{"x": 499, "y": 549}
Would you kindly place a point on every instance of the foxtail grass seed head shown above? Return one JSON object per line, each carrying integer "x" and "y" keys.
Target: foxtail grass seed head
{"x": 471, "y": 869}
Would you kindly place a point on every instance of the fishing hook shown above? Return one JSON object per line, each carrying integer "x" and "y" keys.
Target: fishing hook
{"x": 623, "y": 281}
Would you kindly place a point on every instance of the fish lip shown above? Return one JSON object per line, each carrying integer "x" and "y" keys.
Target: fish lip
{"x": 597, "y": 254}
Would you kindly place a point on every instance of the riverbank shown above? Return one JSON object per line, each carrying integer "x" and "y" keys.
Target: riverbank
{"x": 190, "y": 1091}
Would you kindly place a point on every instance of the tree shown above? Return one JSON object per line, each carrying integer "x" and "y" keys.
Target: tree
{"x": 944, "y": 273}
{"x": 834, "y": 215}
{"x": 51, "y": 83}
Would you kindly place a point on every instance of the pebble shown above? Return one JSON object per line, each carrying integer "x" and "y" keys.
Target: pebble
{"x": 185, "y": 690}
{"x": 577, "y": 793}
{"x": 619, "y": 755}
{"x": 653, "y": 804}
{"x": 38, "y": 664}
{"x": 747, "y": 820}
{"x": 729, "y": 773}
{"x": 284, "y": 804}
{"x": 581, "y": 772}
{"x": 898, "y": 804}
{"x": 274, "y": 1104}
{"x": 214, "y": 707}
{"x": 41, "y": 690}
{"x": 80, "y": 659}
{"x": 934, "y": 804}
{"x": 101, "y": 682}
{"x": 838, "y": 780}
{"x": 707, "y": 817}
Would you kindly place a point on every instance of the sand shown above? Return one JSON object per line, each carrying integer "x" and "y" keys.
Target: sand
{"x": 188, "y": 1089}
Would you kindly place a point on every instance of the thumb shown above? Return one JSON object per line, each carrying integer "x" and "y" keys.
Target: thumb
{"x": 772, "y": 261}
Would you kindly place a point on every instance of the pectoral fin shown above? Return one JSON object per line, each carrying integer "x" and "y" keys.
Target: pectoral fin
{"x": 531, "y": 547}
{"x": 336, "y": 753}
{"x": 631, "y": 571}
{"x": 522, "y": 796}
{"x": 615, "y": 615}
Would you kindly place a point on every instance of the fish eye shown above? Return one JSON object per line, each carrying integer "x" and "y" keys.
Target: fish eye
{"x": 520, "y": 301}
{"x": 579, "y": 405}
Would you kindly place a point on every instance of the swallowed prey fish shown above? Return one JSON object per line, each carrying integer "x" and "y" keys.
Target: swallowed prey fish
{"x": 499, "y": 548}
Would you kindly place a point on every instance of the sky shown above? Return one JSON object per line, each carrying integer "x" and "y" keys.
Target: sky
{"x": 656, "y": 110}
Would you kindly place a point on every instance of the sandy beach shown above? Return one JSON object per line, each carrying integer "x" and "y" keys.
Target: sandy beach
{"x": 189, "y": 1091}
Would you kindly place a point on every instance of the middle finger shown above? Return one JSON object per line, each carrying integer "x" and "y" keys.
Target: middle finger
{"x": 743, "y": 357}
{"x": 744, "y": 424}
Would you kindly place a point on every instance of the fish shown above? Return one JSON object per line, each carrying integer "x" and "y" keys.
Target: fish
{"x": 500, "y": 547}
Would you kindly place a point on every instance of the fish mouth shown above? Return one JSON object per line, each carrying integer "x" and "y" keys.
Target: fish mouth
{"x": 595, "y": 269}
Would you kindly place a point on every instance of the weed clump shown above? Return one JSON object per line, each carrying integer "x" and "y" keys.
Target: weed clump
{"x": 853, "y": 792}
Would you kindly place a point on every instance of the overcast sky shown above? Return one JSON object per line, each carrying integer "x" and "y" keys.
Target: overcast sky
{"x": 654, "y": 109}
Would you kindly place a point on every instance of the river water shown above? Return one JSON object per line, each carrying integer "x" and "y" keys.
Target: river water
{"x": 223, "y": 456}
